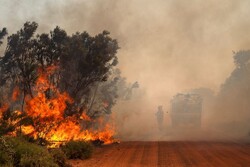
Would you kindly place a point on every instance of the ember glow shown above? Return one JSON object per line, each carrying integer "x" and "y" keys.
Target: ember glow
{"x": 15, "y": 94}
{"x": 49, "y": 119}
{"x": 3, "y": 108}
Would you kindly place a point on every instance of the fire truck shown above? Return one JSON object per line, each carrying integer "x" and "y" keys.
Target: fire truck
{"x": 186, "y": 110}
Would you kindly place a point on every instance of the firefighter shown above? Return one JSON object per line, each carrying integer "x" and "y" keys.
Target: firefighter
{"x": 159, "y": 116}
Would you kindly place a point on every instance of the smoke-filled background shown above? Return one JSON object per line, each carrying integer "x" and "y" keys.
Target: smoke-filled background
{"x": 168, "y": 46}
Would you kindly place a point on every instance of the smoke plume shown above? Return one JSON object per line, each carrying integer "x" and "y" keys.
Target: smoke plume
{"x": 168, "y": 46}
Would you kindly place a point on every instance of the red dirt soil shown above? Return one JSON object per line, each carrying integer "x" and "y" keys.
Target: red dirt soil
{"x": 169, "y": 154}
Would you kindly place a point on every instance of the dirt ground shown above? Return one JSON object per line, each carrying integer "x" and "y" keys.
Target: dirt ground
{"x": 169, "y": 154}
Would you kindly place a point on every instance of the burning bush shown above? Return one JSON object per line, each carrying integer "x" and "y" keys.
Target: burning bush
{"x": 51, "y": 83}
{"x": 78, "y": 149}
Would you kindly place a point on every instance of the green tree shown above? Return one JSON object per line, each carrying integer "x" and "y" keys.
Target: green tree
{"x": 233, "y": 99}
{"x": 87, "y": 63}
{"x": 18, "y": 65}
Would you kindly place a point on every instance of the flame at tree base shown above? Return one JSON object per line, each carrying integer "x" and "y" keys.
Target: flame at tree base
{"x": 49, "y": 121}
{"x": 69, "y": 130}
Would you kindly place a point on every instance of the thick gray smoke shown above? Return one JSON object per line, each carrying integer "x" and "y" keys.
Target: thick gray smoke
{"x": 168, "y": 46}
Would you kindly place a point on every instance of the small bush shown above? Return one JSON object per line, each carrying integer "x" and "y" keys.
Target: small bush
{"x": 6, "y": 153}
{"x": 7, "y": 165}
{"x": 78, "y": 149}
{"x": 59, "y": 157}
{"x": 4, "y": 158}
{"x": 27, "y": 154}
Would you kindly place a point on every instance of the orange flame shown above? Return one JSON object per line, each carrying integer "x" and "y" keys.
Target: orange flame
{"x": 15, "y": 93}
{"x": 3, "y": 108}
{"x": 85, "y": 117}
{"x": 49, "y": 119}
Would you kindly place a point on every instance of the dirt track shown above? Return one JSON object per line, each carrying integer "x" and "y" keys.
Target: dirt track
{"x": 217, "y": 154}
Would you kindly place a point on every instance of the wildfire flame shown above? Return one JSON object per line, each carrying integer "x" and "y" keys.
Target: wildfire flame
{"x": 15, "y": 94}
{"x": 3, "y": 108}
{"x": 48, "y": 115}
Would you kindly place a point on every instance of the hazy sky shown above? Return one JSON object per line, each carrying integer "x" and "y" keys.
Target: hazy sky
{"x": 167, "y": 45}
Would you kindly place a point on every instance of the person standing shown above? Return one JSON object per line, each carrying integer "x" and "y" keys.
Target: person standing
{"x": 159, "y": 116}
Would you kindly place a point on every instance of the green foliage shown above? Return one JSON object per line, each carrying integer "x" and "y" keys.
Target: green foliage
{"x": 78, "y": 149}
{"x": 24, "y": 154}
{"x": 59, "y": 157}
{"x": 18, "y": 64}
{"x": 29, "y": 154}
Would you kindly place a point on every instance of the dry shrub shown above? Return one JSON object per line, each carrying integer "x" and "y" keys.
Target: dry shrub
{"x": 59, "y": 157}
{"x": 78, "y": 149}
{"x": 21, "y": 153}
